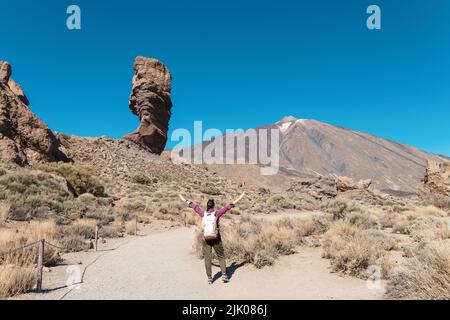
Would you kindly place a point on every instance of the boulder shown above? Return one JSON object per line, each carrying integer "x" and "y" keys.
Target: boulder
{"x": 344, "y": 184}
{"x": 150, "y": 101}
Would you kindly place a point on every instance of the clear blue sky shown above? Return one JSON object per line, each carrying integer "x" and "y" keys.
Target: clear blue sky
{"x": 238, "y": 64}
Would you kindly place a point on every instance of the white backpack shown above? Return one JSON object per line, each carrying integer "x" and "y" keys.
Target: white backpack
{"x": 209, "y": 222}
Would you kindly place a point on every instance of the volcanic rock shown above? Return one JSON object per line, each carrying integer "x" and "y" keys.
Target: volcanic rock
{"x": 150, "y": 101}
{"x": 24, "y": 138}
{"x": 437, "y": 180}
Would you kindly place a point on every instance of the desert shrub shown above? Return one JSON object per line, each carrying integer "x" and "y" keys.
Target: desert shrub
{"x": 84, "y": 228}
{"x": 363, "y": 220}
{"x": 88, "y": 199}
{"x": 12, "y": 239}
{"x": 429, "y": 228}
{"x": 403, "y": 222}
{"x": 388, "y": 203}
{"x": 278, "y": 201}
{"x": 130, "y": 227}
{"x": 438, "y": 201}
{"x": 102, "y": 215}
{"x": 421, "y": 228}
{"x": 64, "y": 139}
{"x": 81, "y": 179}
{"x": 35, "y": 194}
{"x": 113, "y": 230}
{"x": 135, "y": 203}
{"x": 74, "y": 243}
{"x": 43, "y": 230}
{"x": 352, "y": 250}
{"x": 191, "y": 219}
{"x": 142, "y": 178}
{"x": 4, "y": 211}
{"x": 432, "y": 211}
{"x": 210, "y": 189}
{"x": 425, "y": 276}
{"x": 143, "y": 217}
{"x": 341, "y": 207}
{"x": 380, "y": 239}
{"x": 15, "y": 279}
{"x": 387, "y": 219}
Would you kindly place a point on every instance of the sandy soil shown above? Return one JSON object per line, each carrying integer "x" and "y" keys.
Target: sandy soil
{"x": 162, "y": 266}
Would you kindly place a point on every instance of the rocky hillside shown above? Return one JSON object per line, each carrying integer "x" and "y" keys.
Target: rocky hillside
{"x": 133, "y": 176}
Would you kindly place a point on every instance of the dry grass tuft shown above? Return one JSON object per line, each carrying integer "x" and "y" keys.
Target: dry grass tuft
{"x": 4, "y": 211}
{"x": 421, "y": 227}
{"x": 130, "y": 227}
{"x": 18, "y": 269}
{"x": 84, "y": 228}
{"x": 278, "y": 201}
{"x": 15, "y": 279}
{"x": 426, "y": 276}
{"x": 352, "y": 250}
{"x": 432, "y": 211}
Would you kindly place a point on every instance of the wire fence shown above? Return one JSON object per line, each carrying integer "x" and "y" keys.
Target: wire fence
{"x": 41, "y": 252}
{"x": 3, "y": 254}
{"x": 41, "y": 244}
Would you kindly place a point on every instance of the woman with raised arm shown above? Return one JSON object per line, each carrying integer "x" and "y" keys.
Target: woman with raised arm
{"x": 211, "y": 234}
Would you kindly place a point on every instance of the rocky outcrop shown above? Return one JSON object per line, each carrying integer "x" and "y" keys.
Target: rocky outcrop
{"x": 319, "y": 188}
{"x": 150, "y": 101}
{"x": 344, "y": 184}
{"x": 323, "y": 188}
{"x": 24, "y": 138}
{"x": 437, "y": 180}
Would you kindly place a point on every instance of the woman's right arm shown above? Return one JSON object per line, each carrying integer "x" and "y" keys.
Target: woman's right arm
{"x": 193, "y": 206}
{"x": 197, "y": 209}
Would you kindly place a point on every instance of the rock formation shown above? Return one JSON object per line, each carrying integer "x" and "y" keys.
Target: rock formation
{"x": 437, "y": 180}
{"x": 150, "y": 101}
{"x": 323, "y": 188}
{"x": 344, "y": 184}
{"x": 24, "y": 138}
{"x": 318, "y": 188}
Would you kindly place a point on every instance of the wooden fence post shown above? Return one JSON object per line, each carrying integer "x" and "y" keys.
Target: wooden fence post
{"x": 135, "y": 225}
{"x": 96, "y": 238}
{"x": 40, "y": 265}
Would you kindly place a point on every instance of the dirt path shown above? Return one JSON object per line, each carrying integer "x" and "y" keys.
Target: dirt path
{"x": 162, "y": 266}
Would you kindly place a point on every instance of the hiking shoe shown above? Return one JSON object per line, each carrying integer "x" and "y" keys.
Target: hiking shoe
{"x": 210, "y": 280}
{"x": 225, "y": 278}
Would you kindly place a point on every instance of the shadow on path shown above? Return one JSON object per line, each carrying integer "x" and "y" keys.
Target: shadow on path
{"x": 230, "y": 271}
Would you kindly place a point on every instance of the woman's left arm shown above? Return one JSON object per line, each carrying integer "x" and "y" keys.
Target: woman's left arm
{"x": 229, "y": 206}
{"x": 224, "y": 210}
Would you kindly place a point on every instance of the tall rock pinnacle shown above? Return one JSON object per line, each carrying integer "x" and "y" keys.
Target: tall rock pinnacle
{"x": 150, "y": 101}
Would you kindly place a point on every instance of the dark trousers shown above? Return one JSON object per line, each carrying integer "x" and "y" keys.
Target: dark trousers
{"x": 208, "y": 245}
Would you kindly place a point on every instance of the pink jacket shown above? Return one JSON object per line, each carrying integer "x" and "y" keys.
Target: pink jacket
{"x": 219, "y": 213}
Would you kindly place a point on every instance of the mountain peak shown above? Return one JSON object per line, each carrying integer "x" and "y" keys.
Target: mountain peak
{"x": 288, "y": 119}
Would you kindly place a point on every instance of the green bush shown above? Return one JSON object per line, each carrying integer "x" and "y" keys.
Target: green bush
{"x": 142, "y": 178}
{"x": 80, "y": 179}
{"x": 210, "y": 189}
{"x": 278, "y": 201}
{"x": 34, "y": 193}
